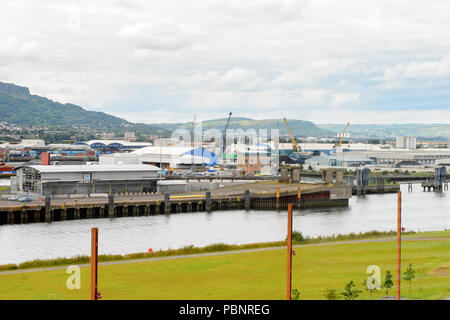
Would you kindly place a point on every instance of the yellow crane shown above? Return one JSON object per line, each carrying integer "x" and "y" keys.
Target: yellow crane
{"x": 343, "y": 134}
{"x": 294, "y": 143}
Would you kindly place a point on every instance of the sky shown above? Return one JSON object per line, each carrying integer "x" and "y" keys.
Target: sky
{"x": 162, "y": 61}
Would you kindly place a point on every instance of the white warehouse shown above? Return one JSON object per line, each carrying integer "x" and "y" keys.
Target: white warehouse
{"x": 45, "y": 180}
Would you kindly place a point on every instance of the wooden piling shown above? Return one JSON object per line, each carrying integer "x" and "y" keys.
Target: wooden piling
{"x": 167, "y": 207}
{"x": 208, "y": 203}
{"x": 111, "y": 206}
{"x": 277, "y": 204}
{"x": 247, "y": 200}
{"x": 48, "y": 209}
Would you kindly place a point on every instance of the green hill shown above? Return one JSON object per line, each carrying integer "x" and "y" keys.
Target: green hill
{"x": 435, "y": 130}
{"x": 18, "y": 106}
{"x": 298, "y": 127}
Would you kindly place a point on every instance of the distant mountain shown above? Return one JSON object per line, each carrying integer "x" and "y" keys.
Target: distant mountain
{"x": 19, "y": 107}
{"x": 298, "y": 127}
{"x": 392, "y": 130}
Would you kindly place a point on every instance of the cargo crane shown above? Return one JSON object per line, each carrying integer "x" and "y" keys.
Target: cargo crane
{"x": 343, "y": 134}
{"x": 294, "y": 143}
{"x": 225, "y": 134}
{"x": 339, "y": 145}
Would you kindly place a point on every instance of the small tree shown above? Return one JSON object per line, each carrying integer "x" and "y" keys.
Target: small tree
{"x": 409, "y": 275}
{"x": 370, "y": 285}
{"x": 331, "y": 294}
{"x": 295, "y": 294}
{"x": 421, "y": 274}
{"x": 349, "y": 293}
{"x": 388, "y": 283}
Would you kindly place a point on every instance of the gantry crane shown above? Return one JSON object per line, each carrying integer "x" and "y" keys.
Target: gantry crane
{"x": 225, "y": 133}
{"x": 343, "y": 134}
{"x": 294, "y": 143}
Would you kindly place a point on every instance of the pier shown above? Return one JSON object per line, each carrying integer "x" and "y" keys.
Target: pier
{"x": 254, "y": 196}
{"x": 438, "y": 183}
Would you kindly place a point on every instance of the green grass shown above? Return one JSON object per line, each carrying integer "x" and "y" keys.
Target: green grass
{"x": 217, "y": 247}
{"x": 254, "y": 275}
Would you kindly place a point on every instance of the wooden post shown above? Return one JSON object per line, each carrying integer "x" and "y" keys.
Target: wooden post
{"x": 247, "y": 200}
{"x": 208, "y": 201}
{"x": 94, "y": 263}
{"x": 167, "y": 205}
{"x": 48, "y": 209}
{"x": 399, "y": 242}
{"x": 289, "y": 253}
{"x": 111, "y": 212}
{"x": 277, "y": 203}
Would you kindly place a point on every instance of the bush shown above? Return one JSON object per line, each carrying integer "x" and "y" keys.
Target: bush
{"x": 297, "y": 236}
{"x": 217, "y": 247}
{"x": 7, "y": 267}
{"x": 331, "y": 294}
{"x": 295, "y": 294}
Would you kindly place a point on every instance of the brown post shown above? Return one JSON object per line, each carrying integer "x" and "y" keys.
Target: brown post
{"x": 399, "y": 242}
{"x": 94, "y": 263}
{"x": 277, "y": 203}
{"x": 289, "y": 253}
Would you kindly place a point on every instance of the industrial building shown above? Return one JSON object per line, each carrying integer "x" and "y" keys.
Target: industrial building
{"x": 55, "y": 180}
{"x": 114, "y": 145}
{"x": 409, "y": 143}
{"x": 427, "y": 157}
{"x": 342, "y": 159}
{"x": 176, "y": 157}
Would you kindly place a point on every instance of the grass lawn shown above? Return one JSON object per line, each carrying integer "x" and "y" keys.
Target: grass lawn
{"x": 255, "y": 275}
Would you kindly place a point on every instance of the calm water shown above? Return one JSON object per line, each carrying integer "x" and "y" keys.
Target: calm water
{"x": 422, "y": 211}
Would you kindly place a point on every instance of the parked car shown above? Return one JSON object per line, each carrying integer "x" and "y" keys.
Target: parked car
{"x": 24, "y": 199}
{"x": 13, "y": 198}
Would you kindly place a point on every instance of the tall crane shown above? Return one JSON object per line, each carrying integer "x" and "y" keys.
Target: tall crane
{"x": 343, "y": 134}
{"x": 225, "y": 133}
{"x": 294, "y": 143}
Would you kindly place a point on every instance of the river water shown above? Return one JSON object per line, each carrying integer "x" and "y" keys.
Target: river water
{"x": 422, "y": 211}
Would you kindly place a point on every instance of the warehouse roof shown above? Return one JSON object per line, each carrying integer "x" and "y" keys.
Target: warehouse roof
{"x": 94, "y": 168}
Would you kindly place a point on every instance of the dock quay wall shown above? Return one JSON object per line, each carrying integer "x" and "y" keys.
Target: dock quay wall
{"x": 136, "y": 205}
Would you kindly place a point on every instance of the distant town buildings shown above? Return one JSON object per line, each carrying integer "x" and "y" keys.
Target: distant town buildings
{"x": 409, "y": 143}
{"x": 129, "y": 136}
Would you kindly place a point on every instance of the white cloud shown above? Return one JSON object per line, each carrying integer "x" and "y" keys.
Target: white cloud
{"x": 235, "y": 79}
{"x": 161, "y": 34}
{"x": 431, "y": 69}
{"x": 258, "y": 57}
{"x": 30, "y": 50}
{"x": 7, "y": 46}
{"x": 74, "y": 18}
{"x": 344, "y": 99}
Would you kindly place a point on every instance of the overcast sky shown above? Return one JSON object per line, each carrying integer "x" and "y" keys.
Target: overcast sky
{"x": 160, "y": 61}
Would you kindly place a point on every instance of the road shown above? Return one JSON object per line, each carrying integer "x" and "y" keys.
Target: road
{"x": 200, "y": 255}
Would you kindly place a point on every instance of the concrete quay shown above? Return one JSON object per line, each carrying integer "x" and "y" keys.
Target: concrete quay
{"x": 258, "y": 195}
